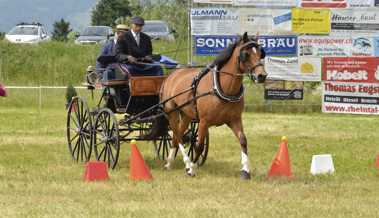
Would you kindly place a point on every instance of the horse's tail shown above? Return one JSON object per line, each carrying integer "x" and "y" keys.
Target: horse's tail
{"x": 160, "y": 127}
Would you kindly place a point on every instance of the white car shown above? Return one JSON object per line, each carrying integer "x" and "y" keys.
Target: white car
{"x": 28, "y": 33}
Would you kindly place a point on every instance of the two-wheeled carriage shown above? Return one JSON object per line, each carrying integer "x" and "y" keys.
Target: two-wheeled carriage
{"x": 100, "y": 132}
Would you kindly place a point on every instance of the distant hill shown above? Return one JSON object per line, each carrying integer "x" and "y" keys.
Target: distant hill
{"x": 77, "y": 12}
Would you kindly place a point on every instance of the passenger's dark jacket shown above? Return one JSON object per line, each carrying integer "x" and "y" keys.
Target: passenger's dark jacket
{"x": 127, "y": 45}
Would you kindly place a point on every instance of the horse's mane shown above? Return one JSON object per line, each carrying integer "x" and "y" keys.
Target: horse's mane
{"x": 225, "y": 55}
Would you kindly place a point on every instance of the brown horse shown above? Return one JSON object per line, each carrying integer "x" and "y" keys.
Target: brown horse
{"x": 219, "y": 98}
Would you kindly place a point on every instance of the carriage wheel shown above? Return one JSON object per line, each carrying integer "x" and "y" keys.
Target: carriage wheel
{"x": 106, "y": 138}
{"x": 192, "y": 132}
{"x": 79, "y": 130}
{"x": 162, "y": 146}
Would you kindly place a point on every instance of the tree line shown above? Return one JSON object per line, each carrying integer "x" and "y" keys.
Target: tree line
{"x": 113, "y": 12}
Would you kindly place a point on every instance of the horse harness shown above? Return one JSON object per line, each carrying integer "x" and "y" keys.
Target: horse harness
{"x": 216, "y": 88}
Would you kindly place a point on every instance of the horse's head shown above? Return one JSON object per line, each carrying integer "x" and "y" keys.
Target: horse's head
{"x": 250, "y": 58}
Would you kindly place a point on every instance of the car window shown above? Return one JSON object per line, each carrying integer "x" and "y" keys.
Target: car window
{"x": 24, "y": 30}
{"x": 155, "y": 27}
{"x": 95, "y": 31}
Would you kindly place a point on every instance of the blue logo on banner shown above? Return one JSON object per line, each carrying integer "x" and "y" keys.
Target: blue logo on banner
{"x": 279, "y": 45}
{"x": 282, "y": 18}
{"x": 376, "y": 46}
{"x": 212, "y": 45}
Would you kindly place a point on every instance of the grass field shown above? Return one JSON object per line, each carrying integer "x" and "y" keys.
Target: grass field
{"x": 38, "y": 178}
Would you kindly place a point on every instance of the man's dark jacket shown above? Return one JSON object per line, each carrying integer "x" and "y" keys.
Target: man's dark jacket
{"x": 127, "y": 45}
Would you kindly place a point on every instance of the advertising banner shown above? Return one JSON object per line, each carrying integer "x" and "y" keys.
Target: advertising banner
{"x": 355, "y": 19}
{"x": 351, "y": 69}
{"x": 255, "y": 20}
{"x": 335, "y": 46}
{"x": 311, "y": 21}
{"x": 362, "y": 46}
{"x": 310, "y": 68}
{"x": 282, "y": 21}
{"x": 376, "y": 46}
{"x": 283, "y": 68}
{"x": 360, "y": 3}
{"x": 293, "y": 68}
{"x": 215, "y": 21}
{"x": 279, "y": 45}
{"x": 350, "y": 85}
{"x": 273, "y": 45}
{"x": 266, "y": 3}
{"x": 212, "y": 45}
{"x": 323, "y": 3}
{"x": 283, "y": 90}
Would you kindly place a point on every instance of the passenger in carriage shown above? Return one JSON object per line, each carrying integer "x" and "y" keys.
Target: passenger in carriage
{"x": 135, "y": 47}
{"x": 109, "y": 48}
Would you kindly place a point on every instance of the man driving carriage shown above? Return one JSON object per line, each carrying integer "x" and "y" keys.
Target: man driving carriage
{"x": 135, "y": 49}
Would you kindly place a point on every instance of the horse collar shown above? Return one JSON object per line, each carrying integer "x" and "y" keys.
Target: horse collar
{"x": 219, "y": 93}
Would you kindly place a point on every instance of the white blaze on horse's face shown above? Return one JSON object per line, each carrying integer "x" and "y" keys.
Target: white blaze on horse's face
{"x": 254, "y": 65}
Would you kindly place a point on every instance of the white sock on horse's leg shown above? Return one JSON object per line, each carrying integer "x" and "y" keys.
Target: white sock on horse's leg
{"x": 186, "y": 160}
{"x": 170, "y": 158}
{"x": 245, "y": 162}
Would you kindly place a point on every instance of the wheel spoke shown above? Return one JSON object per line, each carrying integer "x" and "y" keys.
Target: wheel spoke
{"x": 81, "y": 150}
{"x": 75, "y": 120}
{"x": 111, "y": 155}
{"x": 73, "y": 138}
{"x": 75, "y": 147}
{"x": 101, "y": 142}
{"x": 102, "y": 151}
{"x": 105, "y": 152}
{"x": 78, "y": 150}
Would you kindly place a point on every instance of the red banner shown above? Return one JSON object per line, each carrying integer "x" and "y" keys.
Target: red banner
{"x": 350, "y": 85}
{"x": 351, "y": 69}
{"x": 324, "y": 3}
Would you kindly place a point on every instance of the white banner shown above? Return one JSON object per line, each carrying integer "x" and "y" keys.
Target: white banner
{"x": 266, "y": 3}
{"x": 282, "y": 23}
{"x": 362, "y": 45}
{"x": 282, "y": 68}
{"x": 355, "y": 19}
{"x": 335, "y": 46}
{"x": 265, "y": 21}
{"x": 352, "y": 98}
{"x": 215, "y": 21}
{"x": 255, "y": 20}
{"x": 293, "y": 68}
{"x": 310, "y": 68}
{"x": 361, "y": 3}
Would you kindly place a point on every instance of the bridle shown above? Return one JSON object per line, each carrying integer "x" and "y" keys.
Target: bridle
{"x": 251, "y": 70}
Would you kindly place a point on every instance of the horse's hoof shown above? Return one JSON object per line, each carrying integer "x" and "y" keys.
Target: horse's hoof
{"x": 190, "y": 172}
{"x": 245, "y": 175}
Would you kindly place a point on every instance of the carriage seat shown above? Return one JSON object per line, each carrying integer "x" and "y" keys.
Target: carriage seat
{"x": 139, "y": 85}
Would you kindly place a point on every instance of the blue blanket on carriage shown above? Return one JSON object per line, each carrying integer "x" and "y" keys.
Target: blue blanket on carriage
{"x": 118, "y": 71}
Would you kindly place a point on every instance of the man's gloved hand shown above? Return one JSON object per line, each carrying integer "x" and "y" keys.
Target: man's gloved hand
{"x": 148, "y": 59}
{"x": 131, "y": 59}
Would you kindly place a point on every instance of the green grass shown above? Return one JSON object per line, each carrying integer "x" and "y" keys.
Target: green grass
{"x": 38, "y": 178}
{"x": 57, "y": 63}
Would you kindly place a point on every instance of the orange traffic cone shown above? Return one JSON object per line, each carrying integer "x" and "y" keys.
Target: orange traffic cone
{"x": 281, "y": 164}
{"x": 138, "y": 169}
{"x": 377, "y": 161}
{"x": 96, "y": 171}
